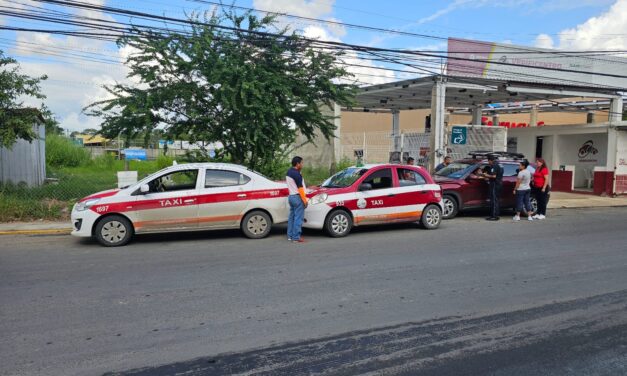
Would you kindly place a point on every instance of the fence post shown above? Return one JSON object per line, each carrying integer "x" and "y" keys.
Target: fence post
{"x": 364, "y": 148}
{"x": 402, "y": 146}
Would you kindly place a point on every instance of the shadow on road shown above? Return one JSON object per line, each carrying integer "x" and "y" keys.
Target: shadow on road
{"x": 582, "y": 334}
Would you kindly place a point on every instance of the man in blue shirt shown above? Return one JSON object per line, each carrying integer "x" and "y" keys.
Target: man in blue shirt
{"x": 297, "y": 200}
{"x": 447, "y": 161}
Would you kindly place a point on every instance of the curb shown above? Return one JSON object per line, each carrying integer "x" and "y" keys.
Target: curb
{"x": 37, "y": 232}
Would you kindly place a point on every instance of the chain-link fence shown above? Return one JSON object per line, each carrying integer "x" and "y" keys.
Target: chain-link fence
{"x": 383, "y": 147}
{"x": 485, "y": 138}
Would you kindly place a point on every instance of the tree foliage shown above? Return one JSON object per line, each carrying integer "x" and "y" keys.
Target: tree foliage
{"x": 249, "y": 86}
{"x": 16, "y": 122}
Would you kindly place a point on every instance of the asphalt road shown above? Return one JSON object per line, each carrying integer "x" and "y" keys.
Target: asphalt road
{"x": 471, "y": 298}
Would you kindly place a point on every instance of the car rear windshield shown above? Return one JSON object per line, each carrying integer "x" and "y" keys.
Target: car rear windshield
{"x": 455, "y": 170}
{"x": 344, "y": 178}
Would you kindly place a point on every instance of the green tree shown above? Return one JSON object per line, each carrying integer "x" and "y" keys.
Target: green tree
{"x": 16, "y": 121}
{"x": 249, "y": 86}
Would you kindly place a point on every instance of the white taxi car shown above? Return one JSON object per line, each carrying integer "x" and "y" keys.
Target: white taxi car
{"x": 184, "y": 197}
{"x": 374, "y": 194}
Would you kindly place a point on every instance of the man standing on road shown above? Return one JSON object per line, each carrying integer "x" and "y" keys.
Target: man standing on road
{"x": 447, "y": 161}
{"x": 297, "y": 200}
{"x": 494, "y": 174}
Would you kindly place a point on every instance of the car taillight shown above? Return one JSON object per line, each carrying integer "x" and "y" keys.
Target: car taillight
{"x": 438, "y": 195}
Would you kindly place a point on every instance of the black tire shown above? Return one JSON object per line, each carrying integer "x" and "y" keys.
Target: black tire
{"x": 256, "y": 225}
{"x": 431, "y": 217}
{"x": 114, "y": 231}
{"x": 451, "y": 207}
{"x": 338, "y": 223}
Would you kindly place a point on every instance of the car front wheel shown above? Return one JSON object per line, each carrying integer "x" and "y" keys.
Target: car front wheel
{"x": 338, "y": 224}
{"x": 431, "y": 217}
{"x": 256, "y": 225}
{"x": 114, "y": 231}
{"x": 450, "y": 207}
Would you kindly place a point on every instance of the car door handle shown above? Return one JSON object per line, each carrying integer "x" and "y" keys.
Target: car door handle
{"x": 241, "y": 195}
{"x": 189, "y": 201}
{"x": 391, "y": 195}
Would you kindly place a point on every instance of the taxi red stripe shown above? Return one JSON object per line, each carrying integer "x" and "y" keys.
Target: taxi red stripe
{"x": 122, "y": 207}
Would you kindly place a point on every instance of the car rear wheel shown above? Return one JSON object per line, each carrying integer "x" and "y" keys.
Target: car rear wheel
{"x": 431, "y": 217}
{"x": 450, "y": 207}
{"x": 256, "y": 225}
{"x": 338, "y": 224}
{"x": 114, "y": 231}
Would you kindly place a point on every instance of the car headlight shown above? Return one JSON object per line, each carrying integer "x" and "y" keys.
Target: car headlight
{"x": 318, "y": 199}
{"x": 82, "y": 206}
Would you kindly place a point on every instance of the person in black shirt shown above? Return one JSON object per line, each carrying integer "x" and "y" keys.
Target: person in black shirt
{"x": 494, "y": 174}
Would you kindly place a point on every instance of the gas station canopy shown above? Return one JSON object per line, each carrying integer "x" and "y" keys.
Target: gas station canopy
{"x": 464, "y": 93}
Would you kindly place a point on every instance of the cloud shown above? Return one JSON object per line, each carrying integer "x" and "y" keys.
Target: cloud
{"x": 544, "y": 41}
{"x": 365, "y": 71}
{"x": 604, "y": 32}
{"x": 303, "y": 8}
{"x": 74, "y": 79}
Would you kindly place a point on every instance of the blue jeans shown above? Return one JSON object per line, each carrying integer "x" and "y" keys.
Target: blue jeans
{"x": 522, "y": 201}
{"x": 295, "y": 220}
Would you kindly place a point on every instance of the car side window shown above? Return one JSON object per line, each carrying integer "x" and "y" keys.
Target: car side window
{"x": 174, "y": 181}
{"x": 407, "y": 177}
{"x": 381, "y": 179}
{"x": 510, "y": 169}
{"x": 224, "y": 178}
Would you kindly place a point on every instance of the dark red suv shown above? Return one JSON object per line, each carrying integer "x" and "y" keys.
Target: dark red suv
{"x": 462, "y": 191}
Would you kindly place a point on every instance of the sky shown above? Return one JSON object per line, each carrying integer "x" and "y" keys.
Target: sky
{"x": 562, "y": 24}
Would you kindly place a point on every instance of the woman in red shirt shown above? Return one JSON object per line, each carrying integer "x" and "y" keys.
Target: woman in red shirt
{"x": 540, "y": 187}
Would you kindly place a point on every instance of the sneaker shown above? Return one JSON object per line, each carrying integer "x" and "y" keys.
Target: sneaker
{"x": 301, "y": 240}
{"x": 289, "y": 240}
{"x": 530, "y": 218}
{"x": 536, "y": 216}
{"x": 541, "y": 216}
{"x": 516, "y": 218}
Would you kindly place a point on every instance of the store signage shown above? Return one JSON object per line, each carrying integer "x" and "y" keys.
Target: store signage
{"x": 471, "y": 58}
{"x": 135, "y": 154}
{"x": 587, "y": 151}
{"x": 458, "y": 135}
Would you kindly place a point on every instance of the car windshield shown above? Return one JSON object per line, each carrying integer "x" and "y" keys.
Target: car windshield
{"x": 344, "y": 178}
{"x": 455, "y": 170}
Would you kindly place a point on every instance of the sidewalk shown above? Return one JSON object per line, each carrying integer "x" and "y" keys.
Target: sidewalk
{"x": 35, "y": 228}
{"x": 559, "y": 200}
{"x": 576, "y": 200}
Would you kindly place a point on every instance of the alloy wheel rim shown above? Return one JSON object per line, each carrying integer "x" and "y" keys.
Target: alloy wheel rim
{"x": 433, "y": 217}
{"x": 339, "y": 224}
{"x": 448, "y": 207}
{"x": 113, "y": 231}
{"x": 257, "y": 224}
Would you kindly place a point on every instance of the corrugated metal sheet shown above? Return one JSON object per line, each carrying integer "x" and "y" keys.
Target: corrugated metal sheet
{"x": 25, "y": 162}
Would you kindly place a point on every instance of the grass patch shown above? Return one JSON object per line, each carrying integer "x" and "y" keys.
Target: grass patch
{"x": 54, "y": 199}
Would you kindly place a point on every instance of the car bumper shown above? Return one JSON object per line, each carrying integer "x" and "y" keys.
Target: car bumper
{"x": 83, "y": 222}
{"x": 315, "y": 216}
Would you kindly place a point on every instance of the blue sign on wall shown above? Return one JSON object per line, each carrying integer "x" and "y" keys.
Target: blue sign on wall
{"x": 458, "y": 136}
{"x": 135, "y": 154}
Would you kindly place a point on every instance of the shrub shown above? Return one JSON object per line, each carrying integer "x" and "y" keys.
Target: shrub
{"x": 62, "y": 152}
{"x": 164, "y": 161}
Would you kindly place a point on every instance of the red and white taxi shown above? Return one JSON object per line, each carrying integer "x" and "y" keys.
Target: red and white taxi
{"x": 184, "y": 197}
{"x": 374, "y": 194}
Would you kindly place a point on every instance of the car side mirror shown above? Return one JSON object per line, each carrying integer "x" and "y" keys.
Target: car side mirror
{"x": 144, "y": 188}
{"x": 365, "y": 187}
